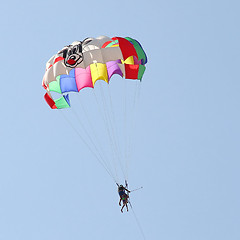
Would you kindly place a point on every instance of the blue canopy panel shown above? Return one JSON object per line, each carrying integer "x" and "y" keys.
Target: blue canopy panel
{"x": 68, "y": 82}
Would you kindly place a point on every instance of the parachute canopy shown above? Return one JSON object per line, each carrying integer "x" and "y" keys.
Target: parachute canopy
{"x": 82, "y": 63}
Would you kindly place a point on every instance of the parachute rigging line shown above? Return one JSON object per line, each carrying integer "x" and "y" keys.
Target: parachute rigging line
{"x": 137, "y": 221}
{"x": 115, "y": 134}
{"x": 112, "y": 134}
{"x": 107, "y": 125}
{"x": 89, "y": 122}
{"x": 135, "y": 216}
{"x": 100, "y": 153}
{"x": 87, "y": 145}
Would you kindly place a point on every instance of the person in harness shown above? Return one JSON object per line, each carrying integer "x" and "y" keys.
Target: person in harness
{"x": 123, "y": 196}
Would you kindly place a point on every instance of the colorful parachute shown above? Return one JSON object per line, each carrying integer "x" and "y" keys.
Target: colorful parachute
{"x": 107, "y": 125}
{"x": 82, "y": 63}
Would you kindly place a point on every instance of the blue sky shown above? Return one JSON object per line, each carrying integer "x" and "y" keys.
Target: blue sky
{"x": 186, "y": 153}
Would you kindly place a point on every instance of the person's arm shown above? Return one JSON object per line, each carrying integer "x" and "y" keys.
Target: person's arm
{"x": 127, "y": 190}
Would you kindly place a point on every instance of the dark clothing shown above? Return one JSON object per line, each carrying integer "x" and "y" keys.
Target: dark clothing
{"x": 122, "y": 194}
{"x": 121, "y": 191}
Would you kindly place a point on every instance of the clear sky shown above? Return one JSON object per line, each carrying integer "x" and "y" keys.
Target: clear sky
{"x": 186, "y": 153}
